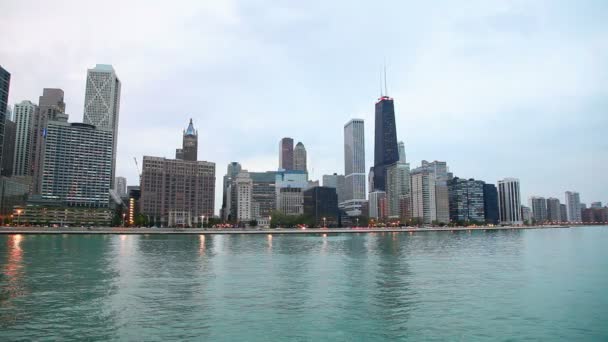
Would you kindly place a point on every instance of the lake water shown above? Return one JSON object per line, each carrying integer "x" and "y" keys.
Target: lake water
{"x": 549, "y": 284}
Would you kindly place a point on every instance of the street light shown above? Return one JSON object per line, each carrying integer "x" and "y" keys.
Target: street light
{"x": 203, "y": 221}
{"x": 18, "y": 215}
{"x": 324, "y": 222}
{"x": 123, "y": 219}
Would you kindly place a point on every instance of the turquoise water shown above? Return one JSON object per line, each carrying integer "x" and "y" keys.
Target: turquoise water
{"x": 549, "y": 284}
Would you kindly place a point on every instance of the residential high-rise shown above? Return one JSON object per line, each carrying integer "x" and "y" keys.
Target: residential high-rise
{"x": 77, "y": 166}
{"x": 8, "y": 147}
{"x": 398, "y": 193}
{"x": 189, "y": 150}
{"x": 553, "y": 210}
{"x": 299, "y": 157}
{"x": 439, "y": 170}
{"x": 539, "y": 209}
{"x": 385, "y": 141}
{"x": 401, "y": 147}
{"x": 377, "y": 205}
{"x": 509, "y": 202}
{"x": 490, "y": 203}
{"x": 228, "y": 211}
{"x": 102, "y": 103}
{"x": 563, "y": 210}
{"x": 264, "y": 194}
{"x": 5, "y": 82}
{"x": 596, "y": 205}
{"x": 321, "y": 204}
{"x": 120, "y": 185}
{"x": 24, "y": 118}
{"x": 423, "y": 195}
{"x": 286, "y": 154}
{"x": 466, "y": 200}
{"x": 526, "y": 214}
{"x": 573, "y": 202}
{"x": 51, "y": 107}
{"x": 244, "y": 196}
{"x": 354, "y": 168}
{"x": 337, "y": 182}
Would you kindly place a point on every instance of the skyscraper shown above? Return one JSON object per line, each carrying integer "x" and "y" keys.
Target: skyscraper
{"x": 354, "y": 167}
{"x": 423, "y": 195}
{"x": 228, "y": 210}
{"x": 8, "y": 147}
{"x": 286, "y": 154}
{"x": 466, "y": 200}
{"x": 539, "y": 209}
{"x": 102, "y": 103}
{"x": 120, "y": 185}
{"x": 189, "y": 150}
{"x": 573, "y": 203}
{"x": 553, "y": 210}
{"x": 563, "y": 210}
{"x": 51, "y": 107}
{"x": 244, "y": 196}
{"x": 439, "y": 172}
{"x": 321, "y": 204}
{"x": 78, "y": 160}
{"x": 264, "y": 194}
{"x": 386, "y": 151}
{"x": 24, "y": 118}
{"x": 5, "y": 82}
{"x": 299, "y": 157}
{"x": 509, "y": 202}
{"x": 596, "y": 205}
{"x": 337, "y": 182}
{"x": 401, "y": 147}
{"x": 490, "y": 203}
{"x": 377, "y": 205}
{"x": 398, "y": 193}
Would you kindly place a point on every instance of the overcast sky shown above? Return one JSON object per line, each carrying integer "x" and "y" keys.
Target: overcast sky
{"x": 495, "y": 88}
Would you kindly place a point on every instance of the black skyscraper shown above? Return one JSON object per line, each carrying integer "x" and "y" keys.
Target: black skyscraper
{"x": 5, "y": 81}
{"x": 490, "y": 203}
{"x": 386, "y": 151}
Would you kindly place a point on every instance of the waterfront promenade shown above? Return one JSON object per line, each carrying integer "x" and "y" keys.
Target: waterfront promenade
{"x": 211, "y": 231}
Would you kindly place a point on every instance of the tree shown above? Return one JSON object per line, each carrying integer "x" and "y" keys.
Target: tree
{"x": 253, "y": 223}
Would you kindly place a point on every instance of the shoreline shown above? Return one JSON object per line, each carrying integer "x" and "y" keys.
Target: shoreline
{"x": 278, "y": 231}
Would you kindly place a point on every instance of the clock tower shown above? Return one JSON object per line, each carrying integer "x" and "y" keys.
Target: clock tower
{"x": 189, "y": 150}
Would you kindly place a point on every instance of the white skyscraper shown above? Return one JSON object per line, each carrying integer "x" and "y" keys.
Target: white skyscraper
{"x": 423, "y": 195}
{"x": 102, "y": 103}
{"x": 509, "y": 201}
{"x": 244, "y": 196}
{"x": 24, "y": 116}
{"x": 120, "y": 185}
{"x": 354, "y": 167}
{"x": 573, "y": 205}
{"x": 398, "y": 190}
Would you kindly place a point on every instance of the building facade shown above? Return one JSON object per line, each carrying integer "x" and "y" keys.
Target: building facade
{"x": 509, "y": 202}
{"x": 8, "y": 148}
{"x": 321, "y": 204}
{"x": 5, "y": 83}
{"x": 77, "y": 166}
{"x": 553, "y": 210}
{"x": 337, "y": 182}
{"x": 290, "y": 201}
{"x": 102, "y": 103}
{"x": 264, "y": 195}
{"x": 490, "y": 204}
{"x": 228, "y": 210}
{"x": 386, "y": 151}
{"x": 398, "y": 191}
{"x": 354, "y": 168}
{"x": 244, "y": 196}
{"x": 423, "y": 195}
{"x": 120, "y": 186}
{"x": 377, "y": 205}
{"x": 189, "y": 150}
{"x": 563, "y": 210}
{"x": 539, "y": 209}
{"x": 299, "y": 157}
{"x": 573, "y": 203}
{"x": 286, "y": 154}
{"x": 24, "y": 118}
{"x": 466, "y": 200}
{"x": 439, "y": 170}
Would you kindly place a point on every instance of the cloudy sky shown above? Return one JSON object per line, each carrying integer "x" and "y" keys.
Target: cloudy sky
{"x": 495, "y": 88}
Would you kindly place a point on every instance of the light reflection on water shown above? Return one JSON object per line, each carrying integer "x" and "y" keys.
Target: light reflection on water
{"x": 381, "y": 286}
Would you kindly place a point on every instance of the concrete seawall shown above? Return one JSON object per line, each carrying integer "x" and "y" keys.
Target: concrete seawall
{"x": 210, "y": 231}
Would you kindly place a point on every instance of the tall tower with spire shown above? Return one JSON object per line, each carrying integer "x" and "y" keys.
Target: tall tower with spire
{"x": 189, "y": 150}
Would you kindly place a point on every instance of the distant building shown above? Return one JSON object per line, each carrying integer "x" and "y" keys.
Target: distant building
{"x": 24, "y": 118}
{"x": 539, "y": 209}
{"x": 244, "y": 196}
{"x": 553, "y": 210}
{"x": 596, "y": 205}
{"x": 398, "y": 192}
{"x": 337, "y": 182}
{"x": 385, "y": 141}
{"x": 354, "y": 168}
{"x": 120, "y": 185}
{"x": 8, "y": 148}
{"x": 439, "y": 170}
{"x": 595, "y": 215}
{"x": 290, "y": 201}
{"x": 509, "y": 202}
{"x": 563, "y": 210}
{"x": 286, "y": 154}
{"x": 228, "y": 210}
{"x": 189, "y": 150}
{"x": 377, "y": 205}
{"x": 264, "y": 195}
{"x": 5, "y": 82}
{"x": 77, "y": 165}
{"x": 573, "y": 203}
{"x": 401, "y": 148}
{"x": 13, "y": 192}
{"x": 526, "y": 214}
{"x": 423, "y": 195}
{"x": 177, "y": 192}
{"x": 102, "y": 103}
{"x": 466, "y": 200}
{"x": 321, "y": 204}
{"x": 299, "y": 157}
{"x": 490, "y": 203}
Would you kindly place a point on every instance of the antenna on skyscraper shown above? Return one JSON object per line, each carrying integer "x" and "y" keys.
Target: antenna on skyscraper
{"x": 385, "y": 87}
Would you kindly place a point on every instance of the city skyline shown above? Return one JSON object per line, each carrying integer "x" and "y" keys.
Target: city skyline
{"x": 430, "y": 131}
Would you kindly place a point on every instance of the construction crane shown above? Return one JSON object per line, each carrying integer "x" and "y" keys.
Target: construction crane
{"x": 138, "y": 170}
